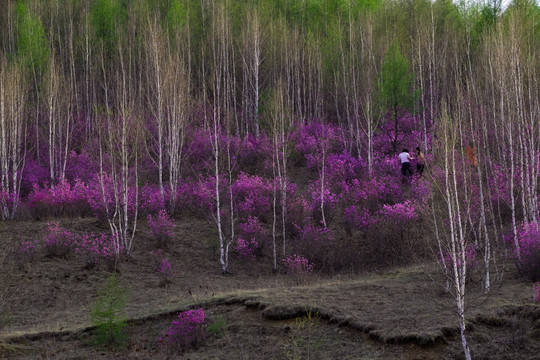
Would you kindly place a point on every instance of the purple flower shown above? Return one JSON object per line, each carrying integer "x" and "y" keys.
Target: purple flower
{"x": 187, "y": 331}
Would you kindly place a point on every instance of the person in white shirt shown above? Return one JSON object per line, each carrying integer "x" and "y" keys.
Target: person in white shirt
{"x": 405, "y": 159}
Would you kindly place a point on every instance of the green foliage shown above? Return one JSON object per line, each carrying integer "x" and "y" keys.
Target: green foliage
{"x": 396, "y": 82}
{"x": 449, "y": 17}
{"x": 108, "y": 17}
{"x": 32, "y": 44}
{"x": 527, "y": 14}
{"x": 331, "y": 47}
{"x": 218, "y": 328}
{"x": 108, "y": 314}
{"x": 177, "y": 15}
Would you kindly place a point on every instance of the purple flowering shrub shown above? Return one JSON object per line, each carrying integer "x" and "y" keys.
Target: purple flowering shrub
{"x": 253, "y": 152}
{"x": 150, "y": 199}
{"x": 246, "y": 248}
{"x": 343, "y": 169}
{"x": 58, "y": 242}
{"x": 101, "y": 195}
{"x": 297, "y": 265}
{"x": 251, "y": 239}
{"x": 399, "y": 214}
{"x": 188, "y": 331}
{"x": 161, "y": 228}
{"x": 80, "y": 167}
{"x": 98, "y": 250}
{"x": 316, "y": 243}
{"x": 298, "y": 213}
{"x": 95, "y": 250}
{"x": 529, "y": 242}
{"x": 199, "y": 198}
{"x": 409, "y": 131}
{"x": 62, "y": 199}
{"x": 330, "y": 199}
{"x": 163, "y": 267}
{"x": 25, "y": 253}
{"x": 33, "y": 174}
{"x": 199, "y": 149}
{"x": 497, "y": 181}
{"x": 311, "y": 140}
{"x": 252, "y": 196}
{"x": 358, "y": 218}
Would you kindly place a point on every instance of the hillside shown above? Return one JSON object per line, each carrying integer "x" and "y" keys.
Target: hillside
{"x": 400, "y": 313}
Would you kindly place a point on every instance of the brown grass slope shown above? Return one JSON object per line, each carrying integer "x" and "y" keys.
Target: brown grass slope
{"x": 401, "y": 313}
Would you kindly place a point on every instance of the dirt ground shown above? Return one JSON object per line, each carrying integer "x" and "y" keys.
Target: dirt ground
{"x": 401, "y": 313}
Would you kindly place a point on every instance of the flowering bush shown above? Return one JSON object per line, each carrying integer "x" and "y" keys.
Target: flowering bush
{"x": 316, "y": 243}
{"x": 33, "y": 174}
{"x": 201, "y": 199}
{"x": 101, "y": 195}
{"x": 161, "y": 227}
{"x": 80, "y": 167}
{"x": 310, "y": 140}
{"x": 58, "y": 242}
{"x": 358, "y": 218}
{"x": 252, "y": 196}
{"x": 314, "y": 234}
{"x": 163, "y": 267}
{"x": 246, "y": 248}
{"x": 97, "y": 250}
{"x": 252, "y": 152}
{"x": 400, "y": 213}
{"x": 186, "y": 332}
{"x": 297, "y": 265}
{"x": 529, "y": 242}
{"x": 150, "y": 199}
{"x": 62, "y": 199}
{"x": 330, "y": 201}
{"x": 251, "y": 238}
{"x": 343, "y": 168}
{"x": 26, "y": 252}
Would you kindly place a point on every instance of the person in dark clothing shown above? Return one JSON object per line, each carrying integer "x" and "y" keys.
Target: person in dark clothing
{"x": 420, "y": 161}
{"x": 405, "y": 160}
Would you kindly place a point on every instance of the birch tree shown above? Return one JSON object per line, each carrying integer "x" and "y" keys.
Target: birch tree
{"x": 252, "y": 58}
{"x": 12, "y": 136}
{"x": 156, "y": 77}
{"x": 453, "y": 212}
{"x": 57, "y": 106}
{"x": 119, "y": 151}
{"x": 222, "y": 87}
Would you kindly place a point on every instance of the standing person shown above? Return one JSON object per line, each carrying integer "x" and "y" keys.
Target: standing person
{"x": 405, "y": 159}
{"x": 420, "y": 161}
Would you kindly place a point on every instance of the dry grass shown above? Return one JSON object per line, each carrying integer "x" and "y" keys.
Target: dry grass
{"x": 399, "y": 314}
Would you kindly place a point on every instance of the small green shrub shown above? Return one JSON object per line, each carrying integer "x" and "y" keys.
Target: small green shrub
{"x": 218, "y": 328}
{"x": 108, "y": 314}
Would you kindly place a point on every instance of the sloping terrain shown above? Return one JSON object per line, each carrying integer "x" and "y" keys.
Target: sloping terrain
{"x": 402, "y": 313}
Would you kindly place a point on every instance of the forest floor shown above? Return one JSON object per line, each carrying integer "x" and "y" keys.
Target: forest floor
{"x": 399, "y": 313}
